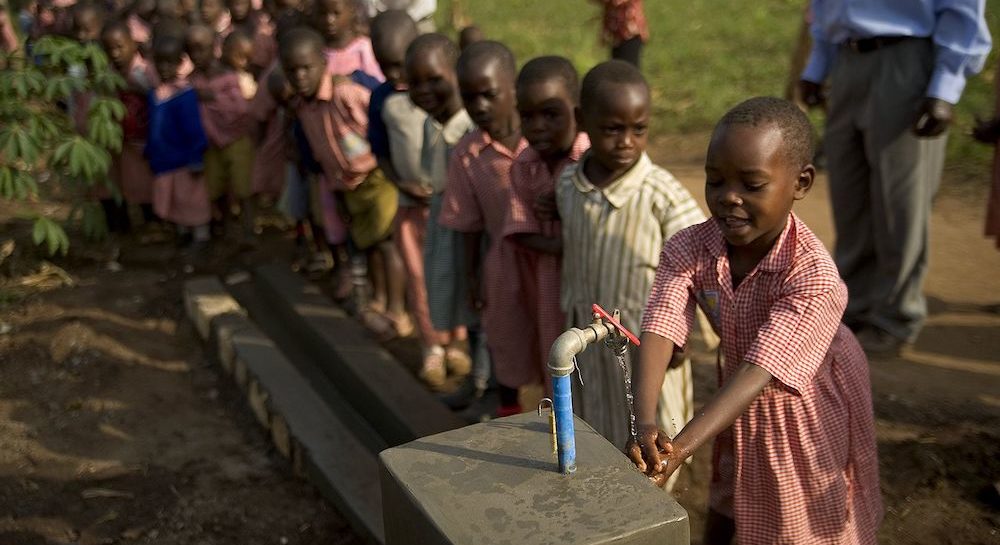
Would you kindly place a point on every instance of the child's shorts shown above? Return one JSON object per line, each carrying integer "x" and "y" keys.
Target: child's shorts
{"x": 372, "y": 206}
{"x": 229, "y": 170}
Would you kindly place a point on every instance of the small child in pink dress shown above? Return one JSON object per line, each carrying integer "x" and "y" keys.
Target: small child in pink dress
{"x": 129, "y": 169}
{"x": 548, "y": 93}
{"x": 348, "y": 49}
{"x": 795, "y": 459}
{"x": 225, "y": 106}
{"x": 176, "y": 146}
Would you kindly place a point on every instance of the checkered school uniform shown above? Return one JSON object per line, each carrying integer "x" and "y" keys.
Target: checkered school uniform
{"x": 476, "y": 199}
{"x": 444, "y": 276}
{"x": 799, "y": 466}
{"x": 612, "y": 238}
{"x": 537, "y": 278}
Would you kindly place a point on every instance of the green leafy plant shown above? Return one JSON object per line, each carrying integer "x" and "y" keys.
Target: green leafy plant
{"x": 39, "y": 139}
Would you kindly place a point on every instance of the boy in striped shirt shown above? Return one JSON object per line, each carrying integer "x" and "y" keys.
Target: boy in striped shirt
{"x": 617, "y": 210}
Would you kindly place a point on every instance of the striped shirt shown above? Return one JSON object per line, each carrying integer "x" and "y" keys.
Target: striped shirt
{"x": 612, "y": 239}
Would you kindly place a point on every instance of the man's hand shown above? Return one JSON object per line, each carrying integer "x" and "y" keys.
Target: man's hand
{"x": 987, "y": 131}
{"x": 545, "y": 207}
{"x": 933, "y": 119}
{"x": 812, "y": 93}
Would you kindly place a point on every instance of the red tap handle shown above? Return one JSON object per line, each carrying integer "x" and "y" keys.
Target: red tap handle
{"x": 622, "y": 329}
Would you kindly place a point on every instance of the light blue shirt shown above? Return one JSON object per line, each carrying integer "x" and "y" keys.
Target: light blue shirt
{"x": 958, "y": 28}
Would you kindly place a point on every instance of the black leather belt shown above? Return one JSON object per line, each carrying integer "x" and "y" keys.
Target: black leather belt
{"x": 867, "y": 45}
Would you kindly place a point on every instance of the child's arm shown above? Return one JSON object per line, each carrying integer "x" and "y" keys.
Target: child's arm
{"x": 720, "y": 413}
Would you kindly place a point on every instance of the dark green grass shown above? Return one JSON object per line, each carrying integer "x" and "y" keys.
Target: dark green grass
{"x": 705, "y": 56}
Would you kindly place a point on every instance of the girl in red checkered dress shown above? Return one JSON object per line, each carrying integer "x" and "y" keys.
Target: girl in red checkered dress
{"x": 794, "y": 454}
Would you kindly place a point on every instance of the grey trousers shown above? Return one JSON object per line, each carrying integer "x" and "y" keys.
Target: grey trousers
{"x": 882, "y": 181}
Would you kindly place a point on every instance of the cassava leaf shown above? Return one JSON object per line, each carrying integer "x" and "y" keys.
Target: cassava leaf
{"x": 38, "y": 231}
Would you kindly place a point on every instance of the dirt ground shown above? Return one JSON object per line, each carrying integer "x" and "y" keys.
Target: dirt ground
{"x": 115, "y": 427}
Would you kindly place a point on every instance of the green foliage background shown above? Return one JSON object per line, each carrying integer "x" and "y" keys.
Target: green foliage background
{"x": 705, "y": 56}
{"x": 38, "y": 138}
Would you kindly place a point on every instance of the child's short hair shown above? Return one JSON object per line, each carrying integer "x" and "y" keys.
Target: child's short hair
{"x": 551, "y": 67}
{"x": 168, "y": 46}
{"x": 601, "y": 78}
{"x": 796, "y": 131}
{"x": 485, "y": 51}
{"x": 116, "y": 25}
{"x": 90, "y": 7}
{"x": 393, "y": 24}
{"x": 433, "y": 42}
{"x": 289, "y": 20}
{"x": 469, "y": 35}
{"x": 298, "y": 37}
{"x": 234, "y": 38}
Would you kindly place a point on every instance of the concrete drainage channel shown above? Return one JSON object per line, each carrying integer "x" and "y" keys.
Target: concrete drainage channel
{"x": 331, "y": 398}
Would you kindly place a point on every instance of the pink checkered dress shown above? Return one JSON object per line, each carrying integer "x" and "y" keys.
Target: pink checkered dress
{"x": 476, "y": 198}
{"x": 538, "y": 274}
{"x": 800, "y": 465}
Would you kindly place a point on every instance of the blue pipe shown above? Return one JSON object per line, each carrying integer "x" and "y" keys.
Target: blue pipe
{"x": 562, "y": 404}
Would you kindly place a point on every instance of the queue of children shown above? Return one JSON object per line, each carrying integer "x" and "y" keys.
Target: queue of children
{"x": 488, "y": 208}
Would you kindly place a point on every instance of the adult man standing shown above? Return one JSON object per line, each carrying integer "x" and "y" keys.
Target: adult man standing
{"x": 896, "y": 69}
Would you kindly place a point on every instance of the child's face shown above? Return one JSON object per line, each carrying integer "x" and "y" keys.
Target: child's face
{"x": 188, "y": 7}
{"x": 86, "y": 26}
{"x": 237, "y": 55}
{"x": 239, "y": 9}
{"x": 433, "y": 84}
{"x": 304, "y": 67}
{"x": 547, "y": 116}
{"x": 211, "y": 10}
{"x": 335, "y": 18}
{"x": 618, "y": 127}
{"x": 167, "y": 65}
{"x": 201, "y": 50}
{"x": 391, "y": 54}
{"x": 169, "y": 9}
{"x": 750, "y": 184}
{"x": 488, "y": 95}
{"x": 120, "y": 48}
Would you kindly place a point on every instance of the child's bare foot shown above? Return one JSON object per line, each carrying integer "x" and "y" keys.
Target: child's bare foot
{"x": 458, "y": 361}
{"x": 432, "y": 372}
{"x": 402, "y": 325}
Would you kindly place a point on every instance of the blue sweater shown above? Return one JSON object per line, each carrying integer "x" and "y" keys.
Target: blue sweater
{"x": 176, "y": 137}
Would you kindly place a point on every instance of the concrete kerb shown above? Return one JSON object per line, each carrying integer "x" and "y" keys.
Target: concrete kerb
{"x": 301, "y": 426}
{"x": 367, "y": 376}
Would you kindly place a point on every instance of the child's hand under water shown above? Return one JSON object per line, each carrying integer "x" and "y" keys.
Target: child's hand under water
{"x": 652, "y": 453}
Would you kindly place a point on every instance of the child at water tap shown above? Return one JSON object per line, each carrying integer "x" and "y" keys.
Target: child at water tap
{"x": 617, "y": 210}
{"x": 548, "y": 95}
{"x": 794, "y": 452}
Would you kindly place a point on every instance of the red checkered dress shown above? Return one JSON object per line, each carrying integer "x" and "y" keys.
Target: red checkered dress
{"x": 538, "y": 273}
{"x": 476, "y": 198}
{"x": 799, "y": 466}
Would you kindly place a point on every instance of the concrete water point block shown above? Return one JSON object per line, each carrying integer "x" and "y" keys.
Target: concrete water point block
{"x": 204, "y": 299}
{"x": 498, "y": 483}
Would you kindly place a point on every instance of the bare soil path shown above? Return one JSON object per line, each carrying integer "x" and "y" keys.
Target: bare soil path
{"x": 116, "y": 428}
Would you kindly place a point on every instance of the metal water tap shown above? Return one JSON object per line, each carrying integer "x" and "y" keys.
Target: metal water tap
{"x": 562, "y": 363}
